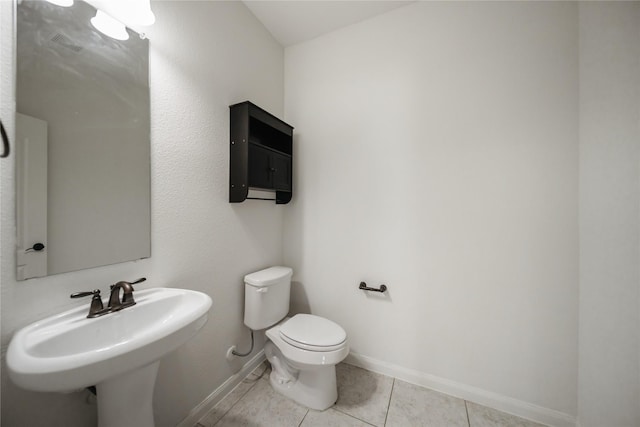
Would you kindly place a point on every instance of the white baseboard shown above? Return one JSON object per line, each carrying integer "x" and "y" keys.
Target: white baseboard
{"x": 463, "y": 391}
{"x": 218, "y": 394}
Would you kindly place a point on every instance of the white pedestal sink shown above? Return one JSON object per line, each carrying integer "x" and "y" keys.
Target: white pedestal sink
{"x": 119, "y": 352}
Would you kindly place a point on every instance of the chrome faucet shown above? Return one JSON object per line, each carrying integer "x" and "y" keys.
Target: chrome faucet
{"x": 115, "y": 303}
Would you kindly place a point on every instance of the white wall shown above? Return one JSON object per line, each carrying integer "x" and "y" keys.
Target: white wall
{"x": 609, "y": 380}
{"x": 204, "y": 56}
{"x": 437, "y": 152}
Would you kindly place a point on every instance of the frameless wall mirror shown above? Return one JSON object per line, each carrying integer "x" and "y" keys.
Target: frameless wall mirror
{"x": 82, "y": 142}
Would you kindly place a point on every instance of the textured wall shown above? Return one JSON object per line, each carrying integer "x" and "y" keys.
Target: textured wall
{"x": 204, "y": 56}
{"x": 609, "y": 381}
{"x": 437, "y": 152}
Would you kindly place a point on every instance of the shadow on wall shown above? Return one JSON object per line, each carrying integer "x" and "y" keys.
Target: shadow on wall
{"x": 299, "y": 299}
{"x": 252, "y": 216}
{"x": 237, "y": 363}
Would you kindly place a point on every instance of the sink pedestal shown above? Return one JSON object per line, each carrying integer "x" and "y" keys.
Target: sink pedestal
{"x": 119, "y": 353}
{"x": 126, "y": 400}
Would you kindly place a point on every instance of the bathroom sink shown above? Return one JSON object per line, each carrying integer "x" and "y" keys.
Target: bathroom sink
{"x": 68, "y": 351}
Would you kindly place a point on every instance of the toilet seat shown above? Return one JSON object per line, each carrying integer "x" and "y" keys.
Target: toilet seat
{"x": 313, "y": 333}
{"x": 297, "y": 356}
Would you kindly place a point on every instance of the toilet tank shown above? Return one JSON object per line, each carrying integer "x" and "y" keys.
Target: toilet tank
{"x": 266, "y": 297}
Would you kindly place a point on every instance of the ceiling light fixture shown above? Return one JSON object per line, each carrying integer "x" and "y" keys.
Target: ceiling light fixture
{"x": 132, "y": 13}
{"x": 140, "y": 13}
{"x": 63, "y": 3}
{"x": 109, "y": 26}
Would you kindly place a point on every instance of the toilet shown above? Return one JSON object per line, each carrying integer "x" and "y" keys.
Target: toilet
{"x": 303, "y": 350}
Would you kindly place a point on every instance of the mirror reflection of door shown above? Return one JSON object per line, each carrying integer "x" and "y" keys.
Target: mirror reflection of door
{"x": 93, "y": 93}
{"x": 31, "y": 197}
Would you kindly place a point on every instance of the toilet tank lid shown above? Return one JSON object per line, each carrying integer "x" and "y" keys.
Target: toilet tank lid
{"x": 268, "y": 276}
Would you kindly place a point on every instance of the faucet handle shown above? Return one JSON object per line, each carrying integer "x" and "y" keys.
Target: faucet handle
{"x": 140, "y": 280}
{"x": 97, "y": 308}
{"x": 95, "y": 292}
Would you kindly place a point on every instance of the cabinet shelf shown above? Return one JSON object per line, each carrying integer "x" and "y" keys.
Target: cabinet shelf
{"x": 261, "y": 145}
{"x": 261, "y": 154}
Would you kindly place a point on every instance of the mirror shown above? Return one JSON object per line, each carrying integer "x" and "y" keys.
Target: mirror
{"x": 82, "y": 142}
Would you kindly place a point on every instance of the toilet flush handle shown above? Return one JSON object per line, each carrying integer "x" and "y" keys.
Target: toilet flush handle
{"x": 262, "y": 290}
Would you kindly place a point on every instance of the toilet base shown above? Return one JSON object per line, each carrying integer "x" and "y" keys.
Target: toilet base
{"x": 315, "y": 387}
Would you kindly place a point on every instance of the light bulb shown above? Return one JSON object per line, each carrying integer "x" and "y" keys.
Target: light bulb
{"x": 63, "y": 3}
{"x": 132, "y": 13}
{"x": 109, "y": 26}
{"x": 140, "y": 13}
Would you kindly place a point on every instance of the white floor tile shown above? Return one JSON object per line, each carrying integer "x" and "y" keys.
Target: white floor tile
{"x": 218, "y": 411}
{"x": 416, "y": 406}
{"x": 364, "y": 399}
{"x": 363, "y": 394}
{"x": 263, "y": 407}
{"x": 331, "y": 418}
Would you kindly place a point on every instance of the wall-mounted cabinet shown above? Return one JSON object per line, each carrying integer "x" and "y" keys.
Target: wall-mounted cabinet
{"x": 260, "y": 154}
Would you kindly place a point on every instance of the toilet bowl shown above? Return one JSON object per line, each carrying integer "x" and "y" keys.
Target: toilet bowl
{"x": 303, "y": 351}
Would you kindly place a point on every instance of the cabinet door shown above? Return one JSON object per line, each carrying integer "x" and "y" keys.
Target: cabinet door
{"x": 260, "y": 175}
{"x": 281, "y": 168}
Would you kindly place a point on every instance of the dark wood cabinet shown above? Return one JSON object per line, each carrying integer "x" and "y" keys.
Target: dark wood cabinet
{"x": 269, "y": 169}
{"x": 260, "y": 153}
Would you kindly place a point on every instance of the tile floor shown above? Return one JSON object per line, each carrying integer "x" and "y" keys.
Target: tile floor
{"x": 364, "y": 399}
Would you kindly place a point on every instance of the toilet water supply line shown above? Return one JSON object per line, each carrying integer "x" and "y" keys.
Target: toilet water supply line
{"x": 235, "y": 353}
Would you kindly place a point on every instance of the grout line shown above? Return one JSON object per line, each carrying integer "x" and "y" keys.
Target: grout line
{"x": 353, "y": 416}
{"x": 467, "y": 411}
{"x": 248, "y": 380}
{"x": 303, "y": 418}
{"x": 393, "y": 384}
{"x": 253, "y": 384}
{"x": 342, "y": 412}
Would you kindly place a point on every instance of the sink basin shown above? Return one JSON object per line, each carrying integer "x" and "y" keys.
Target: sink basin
{"x": 68, "y": 351}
